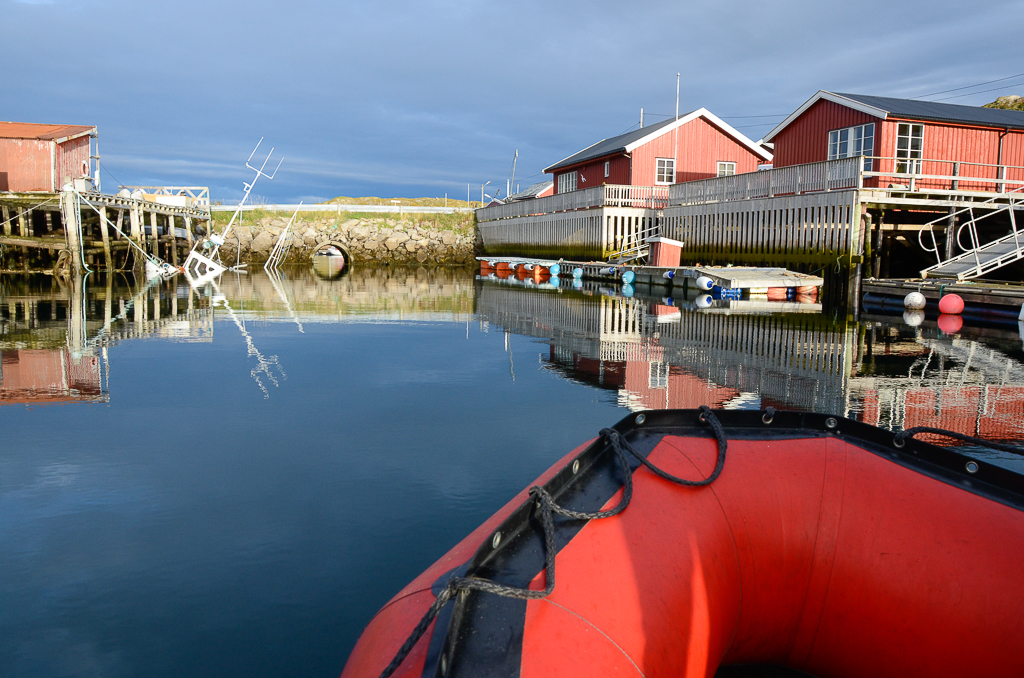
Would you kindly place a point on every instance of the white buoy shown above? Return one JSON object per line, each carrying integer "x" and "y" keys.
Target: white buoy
{"x": 705, "y": 283}
{"x": 703, "y": 301}
{"x": 607, "y": 271}
{"x": 914, "y": 301}
{"x": 668, "y": 275}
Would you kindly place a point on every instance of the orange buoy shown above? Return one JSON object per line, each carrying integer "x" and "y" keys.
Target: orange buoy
{"x": 814, "y": 538}
{"x": 951, "y": 303}
{"x": 778, "y": 293}
{"x": 808, "y": 291}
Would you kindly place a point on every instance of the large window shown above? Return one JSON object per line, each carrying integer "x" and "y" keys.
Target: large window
{"x": 666, "y": 173}
{"x": 726, "y": 169}
{"x": 909, "y": 148}
{"x": 851, "y": 142}
{"x": 567, "y": 182}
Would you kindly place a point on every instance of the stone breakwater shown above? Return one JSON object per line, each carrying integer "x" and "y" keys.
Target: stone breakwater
{"x": 447, "y": 240}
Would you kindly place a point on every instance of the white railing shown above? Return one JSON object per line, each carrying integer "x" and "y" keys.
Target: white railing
{"x": 198, "y": 196}
{"x": 929, "y": 175}
{"x": 610, "y": 195}
{"x": 814, "y": 177}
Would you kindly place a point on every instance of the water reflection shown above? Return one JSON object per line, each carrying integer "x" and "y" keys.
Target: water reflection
{"x": 660, "y": 353}
{"x": 652, "y": 352}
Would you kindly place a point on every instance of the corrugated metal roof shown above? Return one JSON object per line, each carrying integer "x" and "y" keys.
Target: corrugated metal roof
{"x": 610, "y": 146}
{"x": 940, "y": 112}
{"x": 531, "y": 191}
{"x": 32, "y": 130}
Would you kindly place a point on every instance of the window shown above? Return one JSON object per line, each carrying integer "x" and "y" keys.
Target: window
{"x": 909, "y": 148}
{"x": 567, "y": 182}
{"x": 726, "y": 169}
{"x": 666, "y": 173}
{"x": 607, "y": 168}
{"x": 851, "y": 142}
{"x": 658, "y": 375}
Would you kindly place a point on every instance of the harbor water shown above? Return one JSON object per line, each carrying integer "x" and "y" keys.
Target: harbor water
{"x": 230, "y": 479}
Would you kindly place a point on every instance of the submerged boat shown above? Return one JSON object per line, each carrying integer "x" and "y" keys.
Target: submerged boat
{"x": 685, "y": 543}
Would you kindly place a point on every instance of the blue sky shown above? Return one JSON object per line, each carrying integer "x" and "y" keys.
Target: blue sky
{"x": 416, "y": 99}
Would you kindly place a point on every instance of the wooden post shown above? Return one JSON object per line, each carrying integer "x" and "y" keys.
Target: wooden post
{"x": 951, "y": 222}
{"x": 876, "y": 255}
{"x": 120, "y": 225}
{"x": 106, "y": 238}
{"x": 155, "y": 242}
{"x": 188, "y": 230}
{"x": 174, "y": 239}
{"x": 49, "y": 221}
{"x": 71, "y": 221}
{"x": 6, "y": 212}
{"x": 24, "y": 221}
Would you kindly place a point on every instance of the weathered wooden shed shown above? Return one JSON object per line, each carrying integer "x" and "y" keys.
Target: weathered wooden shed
{"x": 906, "y": 137}
{"x": 697, "y": 145}
{"x": 41, "y": 157}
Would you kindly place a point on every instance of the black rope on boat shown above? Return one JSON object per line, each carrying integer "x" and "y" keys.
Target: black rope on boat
{"x": 900, "y": 439}
{"x": 546, "y": 507}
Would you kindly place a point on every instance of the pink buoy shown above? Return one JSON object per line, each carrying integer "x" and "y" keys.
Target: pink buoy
{"x": 952, "y": 304}
{"x": 950, "y": 324}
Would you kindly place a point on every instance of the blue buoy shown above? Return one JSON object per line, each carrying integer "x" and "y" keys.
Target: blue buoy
{"x": 577, "y": 272}
{"x": 627, "y": 290}
{"x": 554, "y": 269}
{"x": 628, "y": 277}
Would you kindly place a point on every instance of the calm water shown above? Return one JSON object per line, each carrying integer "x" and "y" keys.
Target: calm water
{"x": 233, "y": 480}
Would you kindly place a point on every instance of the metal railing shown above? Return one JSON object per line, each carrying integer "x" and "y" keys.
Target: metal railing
{"x": 609, "y": 195}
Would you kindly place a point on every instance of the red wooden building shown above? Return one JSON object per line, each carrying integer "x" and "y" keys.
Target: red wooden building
{"x": 905, "y": 136}
{"x": 38, "y": 157}
{"x": 698, "y": 145}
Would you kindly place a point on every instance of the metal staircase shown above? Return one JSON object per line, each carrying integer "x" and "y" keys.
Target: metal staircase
{"x": 635, "y": 245}
{"x": 978, "y": 259}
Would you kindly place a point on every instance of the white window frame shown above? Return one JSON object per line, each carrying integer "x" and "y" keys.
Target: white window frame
{"x": 909, "y": 147}
{"x": 567, "y": 182}
{"x": 726, "y": 168}
{"x": 849, "y": 142}
{"x": 607, "y": 168}
{"x": 664, "y": 171}
{"x": 657, "y": 375}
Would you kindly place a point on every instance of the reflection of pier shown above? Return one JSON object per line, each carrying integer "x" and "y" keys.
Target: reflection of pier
{"x": 952, "y": 383}
{"x": 54, "y": 336}
{"x": 794, "y": 361}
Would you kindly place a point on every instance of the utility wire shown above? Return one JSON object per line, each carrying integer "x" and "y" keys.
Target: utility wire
{"x": 994, "y": 89}
{"x": 979, "y": 84}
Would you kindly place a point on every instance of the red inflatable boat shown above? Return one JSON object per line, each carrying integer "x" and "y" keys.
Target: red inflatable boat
{"x": 685, "y": 543}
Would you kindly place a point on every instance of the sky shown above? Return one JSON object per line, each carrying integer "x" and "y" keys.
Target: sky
{"x": 422, "y": 99}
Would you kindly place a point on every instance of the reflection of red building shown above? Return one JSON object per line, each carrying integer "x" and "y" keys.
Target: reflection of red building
{"x": 660, "y": 386}
{"x": 30, "y": 376}
{"x": 990, "y": 411}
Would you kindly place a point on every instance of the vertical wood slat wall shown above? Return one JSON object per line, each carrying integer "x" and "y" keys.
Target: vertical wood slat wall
{"x": 817, "y": 227}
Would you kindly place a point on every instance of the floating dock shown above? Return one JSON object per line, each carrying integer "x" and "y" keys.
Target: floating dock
{"x": 726, "y": 277}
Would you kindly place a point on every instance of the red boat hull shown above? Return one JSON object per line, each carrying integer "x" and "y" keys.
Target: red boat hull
{"x": 815, "y": 551}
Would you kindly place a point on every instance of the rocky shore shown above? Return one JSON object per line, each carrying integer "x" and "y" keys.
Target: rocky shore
{"x": 444, "y": 239}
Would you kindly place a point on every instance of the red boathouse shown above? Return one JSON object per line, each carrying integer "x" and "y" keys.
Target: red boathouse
{"x": 906, "y": 137}
{"x": 38, "y": 157}
{"x": 698, "y": 145}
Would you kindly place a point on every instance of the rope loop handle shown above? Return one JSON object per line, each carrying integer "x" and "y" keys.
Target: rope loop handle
{"x": 901, "y": 438}
{"x": 545, "y": 509}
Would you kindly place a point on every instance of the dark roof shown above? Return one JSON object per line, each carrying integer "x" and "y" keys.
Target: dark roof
{"x": 940, "y": 112}
{"x": 531, "y": 191}
{"x": 610, "y": 146}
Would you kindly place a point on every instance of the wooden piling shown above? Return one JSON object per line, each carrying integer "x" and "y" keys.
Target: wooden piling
{"x": 154, "y": 234}
{"x": 106, "y": 239}
{"x": 6, "y": 212}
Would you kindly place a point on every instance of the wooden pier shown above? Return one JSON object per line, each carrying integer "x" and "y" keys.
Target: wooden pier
{"x": 835, "y": 219}
{"x": 71, "y": 231}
